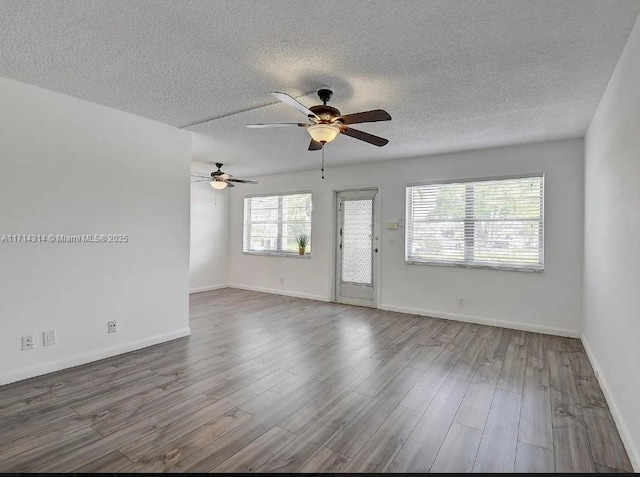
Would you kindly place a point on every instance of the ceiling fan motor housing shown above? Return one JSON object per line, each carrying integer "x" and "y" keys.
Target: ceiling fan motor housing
{"x": 327, "y": 114}
{"x": 218, "y": 172}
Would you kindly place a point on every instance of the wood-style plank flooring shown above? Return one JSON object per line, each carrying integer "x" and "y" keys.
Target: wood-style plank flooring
{"x": 276, "y": 384}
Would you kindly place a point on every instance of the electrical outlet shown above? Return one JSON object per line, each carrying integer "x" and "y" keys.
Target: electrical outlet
{"x": 27, "y": 342}
{"x": 461, "y": 301}
{"x": 111, "y": 325}
{"x": 49, "y": 337}
{"x": 281, "y": 280}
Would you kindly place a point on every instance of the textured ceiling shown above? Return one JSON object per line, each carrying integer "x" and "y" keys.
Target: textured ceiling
{"x": 454, "y": 74}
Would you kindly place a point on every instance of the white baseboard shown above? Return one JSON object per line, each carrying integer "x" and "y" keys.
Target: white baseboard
{"x": 276, "y": 291}
{"x": 207, "y": 288}
{"x": 633, "y": 451}
{"x": 70, "y": 362}
{"x": 549, "y": 330}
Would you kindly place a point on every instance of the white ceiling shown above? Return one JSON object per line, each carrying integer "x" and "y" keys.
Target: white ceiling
{"x": 453, "y": 74}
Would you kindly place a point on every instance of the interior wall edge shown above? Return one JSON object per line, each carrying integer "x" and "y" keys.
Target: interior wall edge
{"x": 208, "y": 288}
{"x": 514, "y": 325}
{"x": 275, "y": 291}
{"x": 625, "y": 434}
{"x": 73, "y": 361}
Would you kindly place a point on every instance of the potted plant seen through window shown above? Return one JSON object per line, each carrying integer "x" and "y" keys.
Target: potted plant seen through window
{"x": 303, "y": 241}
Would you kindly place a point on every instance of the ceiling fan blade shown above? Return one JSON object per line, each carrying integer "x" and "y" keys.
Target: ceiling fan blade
{"x": 367, "y": 117}
{"x": 276, "y": 125}
{"x": 229, "y": 185}
{"x": 294, "y": 103}
{"x": 194, "y": 176}
{"x": 243, "y": 181}
{"x": 315, "y": 145}
{"x": 201, "y": 180}
{"x": 363, "y": 136}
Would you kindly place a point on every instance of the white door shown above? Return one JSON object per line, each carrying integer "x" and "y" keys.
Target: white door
{"x": 357, "y": 244}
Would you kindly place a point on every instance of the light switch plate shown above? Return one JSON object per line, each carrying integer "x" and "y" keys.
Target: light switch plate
{"x": 49, "y": 337}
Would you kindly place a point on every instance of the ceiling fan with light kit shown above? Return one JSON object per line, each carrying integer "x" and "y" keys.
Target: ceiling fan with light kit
{"x": 326, "y": 122}
{"x": 220, "y": 180}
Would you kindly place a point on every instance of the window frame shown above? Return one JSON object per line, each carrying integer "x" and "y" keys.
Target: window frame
{"x": 276, "y": 253}
{"x": 469, "y": 222}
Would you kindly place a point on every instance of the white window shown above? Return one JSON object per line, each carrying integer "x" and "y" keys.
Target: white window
{"x": 496, "y": 223}
{"x": 272, "y": 223}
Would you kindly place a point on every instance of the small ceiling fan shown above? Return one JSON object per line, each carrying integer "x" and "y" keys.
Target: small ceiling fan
{"x": 326, "y": 122}
{"x": 220, "y": 180}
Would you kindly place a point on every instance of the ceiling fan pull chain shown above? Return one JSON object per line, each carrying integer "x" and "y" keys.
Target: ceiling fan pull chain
{"x": 323, "y": 162}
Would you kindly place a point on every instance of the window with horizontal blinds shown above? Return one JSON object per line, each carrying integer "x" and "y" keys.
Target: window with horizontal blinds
{"x": 273, "y": 222}
{"x": 494, "y": 223}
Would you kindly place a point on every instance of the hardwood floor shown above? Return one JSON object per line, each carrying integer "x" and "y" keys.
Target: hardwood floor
{"x": 276, "y": 384}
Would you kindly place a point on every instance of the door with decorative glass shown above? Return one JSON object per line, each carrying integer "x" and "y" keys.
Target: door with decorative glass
{"x": 357, "y": 245}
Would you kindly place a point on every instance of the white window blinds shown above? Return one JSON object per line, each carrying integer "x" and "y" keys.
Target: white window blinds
{"x": 492, "y": 223}
{"x": 272, "y": 222}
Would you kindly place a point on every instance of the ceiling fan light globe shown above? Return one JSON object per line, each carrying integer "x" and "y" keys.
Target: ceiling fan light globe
{"x": 225, "y": 176}
{"x": 218, "y": 185}
{"x": 323, "y": 132}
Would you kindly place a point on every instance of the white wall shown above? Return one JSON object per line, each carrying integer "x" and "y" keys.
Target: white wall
{"x": 72, "y": 167}
{"x": 209, "y": 220}
{"x": 549, "y": 301}
{"x": 209, "y": 238}
{"x": 612, "y": 247}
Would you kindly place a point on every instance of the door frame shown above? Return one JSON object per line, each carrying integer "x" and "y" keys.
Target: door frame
{"x": 377, "y": 229}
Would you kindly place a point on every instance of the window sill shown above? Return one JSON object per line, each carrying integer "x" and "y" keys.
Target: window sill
{"x": 279, "y": 254}
{"x": 506, "y": 268}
